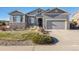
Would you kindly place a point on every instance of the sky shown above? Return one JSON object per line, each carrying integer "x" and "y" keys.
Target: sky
{"x": 4, "y": 11}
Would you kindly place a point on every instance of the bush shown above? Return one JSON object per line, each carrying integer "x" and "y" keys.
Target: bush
{"x": 29, "y": 35}
{"x": 42, "y": 39}
{"x": 38, "y": 38}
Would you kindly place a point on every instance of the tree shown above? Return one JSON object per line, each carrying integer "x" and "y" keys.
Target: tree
{"x": 73, "y": 24}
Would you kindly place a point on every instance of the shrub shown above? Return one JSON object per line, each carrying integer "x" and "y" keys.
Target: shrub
{"x": 29, "y": 35}
{"x": 38, "y": 38}
{"x": 42, "y": 39}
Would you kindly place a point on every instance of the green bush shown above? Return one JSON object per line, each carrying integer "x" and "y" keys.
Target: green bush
{"x": 38, "y": 38}
{"x": 42, "y": 39}
{"x": 29, "y": 35}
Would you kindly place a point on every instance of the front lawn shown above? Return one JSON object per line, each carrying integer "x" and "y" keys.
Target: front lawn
{"x": 25, "y": 38}
{"x": 11, "y": 35}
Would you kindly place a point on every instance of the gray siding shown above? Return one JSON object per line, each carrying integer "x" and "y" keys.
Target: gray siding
{"x": 57, "y": 16}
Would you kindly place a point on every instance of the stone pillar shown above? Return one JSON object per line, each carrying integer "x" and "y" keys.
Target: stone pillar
{"x": 68, "y": 25}
{"x": 23, "y": 22}
{"x": 11, "y": 19}
{"x": 23, "y": 19}
{"x": 11, "y": 22}
{"x": 65, "y": 25}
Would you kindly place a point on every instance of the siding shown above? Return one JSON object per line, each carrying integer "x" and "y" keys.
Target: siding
{"x": 56, "y": 16}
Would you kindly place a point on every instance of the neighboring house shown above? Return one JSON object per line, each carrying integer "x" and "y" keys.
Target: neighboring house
{"x": 48, "y": 20}
{"x": 75, "y": 18}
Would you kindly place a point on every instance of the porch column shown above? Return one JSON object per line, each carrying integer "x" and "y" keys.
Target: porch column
{"x": 11, "y": 19}
{"x": 23, "y": 18}
{"x": 65, "y": 25}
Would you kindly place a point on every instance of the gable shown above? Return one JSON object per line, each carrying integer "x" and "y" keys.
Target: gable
{"x": 14, "y": 13}
{"x": 37, "y": 11}
{"x": 57, "y": 10}
{"x": 56, "y": 16}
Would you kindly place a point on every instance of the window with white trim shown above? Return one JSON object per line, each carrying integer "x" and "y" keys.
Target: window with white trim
{"x": 32, "y": 20}
{"x": 18, "y": 18}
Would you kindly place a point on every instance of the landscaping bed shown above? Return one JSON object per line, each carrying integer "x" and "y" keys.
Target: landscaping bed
{"x": 19, "y": 38}
{"x": 15, "y": 43}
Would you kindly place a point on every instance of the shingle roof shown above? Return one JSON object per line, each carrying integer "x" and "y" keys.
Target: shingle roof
{"x": 56, "y": 10}
{"x": 39, "y": 10}
{"x": 16, "y": 12}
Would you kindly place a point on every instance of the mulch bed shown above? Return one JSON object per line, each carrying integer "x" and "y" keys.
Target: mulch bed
{"x": 15, "y": 43}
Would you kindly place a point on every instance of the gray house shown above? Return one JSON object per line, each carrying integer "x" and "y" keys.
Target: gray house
{"x": 48, "y": 20}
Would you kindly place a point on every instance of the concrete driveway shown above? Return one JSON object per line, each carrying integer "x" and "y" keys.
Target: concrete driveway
{"x": 68, "y": 41}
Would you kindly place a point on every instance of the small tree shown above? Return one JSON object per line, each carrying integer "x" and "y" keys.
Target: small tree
{"x": 73, "y": 24}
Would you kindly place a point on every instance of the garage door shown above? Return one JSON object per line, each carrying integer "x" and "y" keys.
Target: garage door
{"x": 55, "y": 24}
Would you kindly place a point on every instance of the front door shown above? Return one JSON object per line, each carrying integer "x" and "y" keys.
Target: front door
{"x": 40, "y": 22}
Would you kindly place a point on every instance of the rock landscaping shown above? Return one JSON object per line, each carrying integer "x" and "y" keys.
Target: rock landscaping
{"x": 15, "y": 43}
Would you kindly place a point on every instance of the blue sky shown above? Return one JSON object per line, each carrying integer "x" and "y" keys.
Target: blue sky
{"x": 4, "y": 11}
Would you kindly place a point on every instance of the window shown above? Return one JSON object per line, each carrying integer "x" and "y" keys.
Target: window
{"x": 17, "y": 19}
{"x": 32, "y": 20}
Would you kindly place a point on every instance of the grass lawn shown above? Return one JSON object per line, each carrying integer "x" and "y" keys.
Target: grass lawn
{"x": 11, "y": 35}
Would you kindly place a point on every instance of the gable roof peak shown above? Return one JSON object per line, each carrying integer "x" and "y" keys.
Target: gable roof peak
{"x": 15, "y": 11}
{"x": 57, "y": 10}
{"x": 36, "y": 11}
{"x": 40, "y": 9}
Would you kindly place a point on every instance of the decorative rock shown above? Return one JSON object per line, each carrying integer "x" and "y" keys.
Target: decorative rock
{"x": 15, "y": 42}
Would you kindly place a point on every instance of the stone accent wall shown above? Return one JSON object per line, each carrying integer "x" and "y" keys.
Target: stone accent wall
{"x": 15, "y": 26}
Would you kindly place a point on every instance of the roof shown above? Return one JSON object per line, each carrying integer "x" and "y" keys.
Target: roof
{"x": 37, "y": 11}
{"x": 16, "y": 12}
{"x": 56, "y": 10}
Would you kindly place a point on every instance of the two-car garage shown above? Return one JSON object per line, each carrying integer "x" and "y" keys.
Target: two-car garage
{"x": 56, "y": 24}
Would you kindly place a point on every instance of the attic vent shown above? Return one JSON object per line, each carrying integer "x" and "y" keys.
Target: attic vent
{"x": 56, "y": 10}
{"x": 39, "y": 11}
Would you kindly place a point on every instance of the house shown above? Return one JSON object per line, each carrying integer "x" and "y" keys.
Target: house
{"x": 75, "y": 18}
{"x": 47, "y": 19}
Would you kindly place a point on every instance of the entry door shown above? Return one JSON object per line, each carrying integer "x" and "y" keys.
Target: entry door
{"x": 40, "y": 22}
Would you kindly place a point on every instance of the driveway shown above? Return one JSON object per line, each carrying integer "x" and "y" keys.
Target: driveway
{"x": 68, "y": 39}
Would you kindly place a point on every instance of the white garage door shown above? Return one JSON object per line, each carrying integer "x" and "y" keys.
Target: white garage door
{"x": 55, "y": 24}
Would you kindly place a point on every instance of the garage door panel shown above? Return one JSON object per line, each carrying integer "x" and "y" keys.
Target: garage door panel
{"x": 55, "y": 24}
